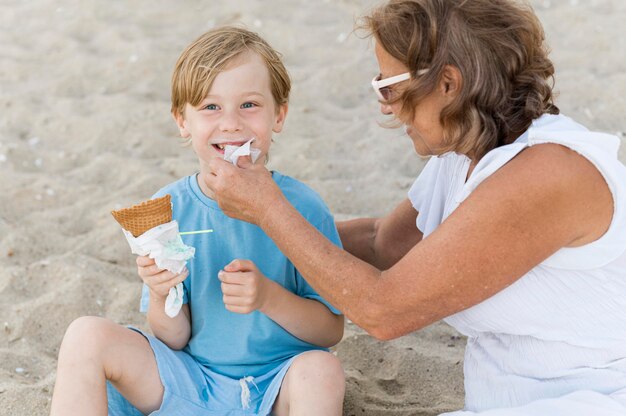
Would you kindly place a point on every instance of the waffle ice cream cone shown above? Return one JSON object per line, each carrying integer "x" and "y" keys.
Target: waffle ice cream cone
{"x": 144, "y": 216}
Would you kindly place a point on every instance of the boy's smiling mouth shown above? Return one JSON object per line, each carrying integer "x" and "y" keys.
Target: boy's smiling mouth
{"x": 219, "y": 147}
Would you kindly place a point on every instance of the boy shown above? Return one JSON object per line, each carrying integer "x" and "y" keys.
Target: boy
{"x": 251, "y": 336}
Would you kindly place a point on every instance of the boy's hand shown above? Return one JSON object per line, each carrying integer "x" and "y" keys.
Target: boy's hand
{"x": 244, "y": 287}
{"x": 159, "y": 281}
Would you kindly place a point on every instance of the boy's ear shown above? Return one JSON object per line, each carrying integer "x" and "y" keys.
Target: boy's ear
{"x": 180, "y": 122}
{"x": 281, "y": 115}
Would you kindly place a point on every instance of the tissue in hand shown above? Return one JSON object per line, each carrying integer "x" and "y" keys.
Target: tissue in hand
{"x": 232, "y": 153}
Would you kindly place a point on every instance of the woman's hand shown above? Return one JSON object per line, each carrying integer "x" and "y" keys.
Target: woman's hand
{"x": 246, "y": 192}
{"x": 244, "y": 287}
{"x": 159, "y": 281}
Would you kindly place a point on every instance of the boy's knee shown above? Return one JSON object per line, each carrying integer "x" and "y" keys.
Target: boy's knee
{"x": 320, "y": 367}
{"x": 86, "y": 333}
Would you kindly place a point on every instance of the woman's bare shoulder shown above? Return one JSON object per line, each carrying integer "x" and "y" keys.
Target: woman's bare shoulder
{"x": 567, "y": 182}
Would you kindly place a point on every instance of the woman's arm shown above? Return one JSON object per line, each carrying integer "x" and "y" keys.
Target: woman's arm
{"x": 546, "y": 198}
{"x": 381, "y": 242}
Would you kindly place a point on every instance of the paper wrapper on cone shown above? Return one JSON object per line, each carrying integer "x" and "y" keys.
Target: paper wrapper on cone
{"x": 161, "y": 241}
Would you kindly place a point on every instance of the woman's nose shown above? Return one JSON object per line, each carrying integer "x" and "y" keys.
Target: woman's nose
{"x": 385, "y": 109}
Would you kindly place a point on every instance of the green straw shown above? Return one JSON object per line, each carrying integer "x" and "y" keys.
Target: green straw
{"x": 196, "y": 232}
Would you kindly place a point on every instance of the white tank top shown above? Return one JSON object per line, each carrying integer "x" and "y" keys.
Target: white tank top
{"x": 560, "y": 328}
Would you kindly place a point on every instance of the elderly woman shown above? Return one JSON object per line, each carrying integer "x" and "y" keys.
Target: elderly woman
{"x": 514, "y": 232}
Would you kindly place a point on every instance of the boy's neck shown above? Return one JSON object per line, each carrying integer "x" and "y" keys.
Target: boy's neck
{"x": 203, "y": 186}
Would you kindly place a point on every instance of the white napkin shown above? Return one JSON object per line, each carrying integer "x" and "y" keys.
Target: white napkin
{"x": 163, "y": 244}
{"x": 232, "y": 153}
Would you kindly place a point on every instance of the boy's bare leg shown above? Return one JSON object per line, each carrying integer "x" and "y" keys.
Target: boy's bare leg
{"x": 314, "y": 385}
{"x": 95, "y": 350}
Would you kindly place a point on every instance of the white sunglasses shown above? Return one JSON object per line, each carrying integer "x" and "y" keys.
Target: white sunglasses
{"x": 381, "y": 86}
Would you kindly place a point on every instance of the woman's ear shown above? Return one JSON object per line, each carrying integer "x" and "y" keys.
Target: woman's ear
{"x": 451, "y": 81}
{"x": 181, "y": 123}
{"x": 281, "y": 115}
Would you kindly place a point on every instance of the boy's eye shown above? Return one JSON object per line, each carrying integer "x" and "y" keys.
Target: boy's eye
{"x": 248, "y": 105}
{"x": 210, "y": 107}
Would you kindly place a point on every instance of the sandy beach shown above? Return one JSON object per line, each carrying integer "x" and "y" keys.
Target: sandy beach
{"x": 85, "y": 129}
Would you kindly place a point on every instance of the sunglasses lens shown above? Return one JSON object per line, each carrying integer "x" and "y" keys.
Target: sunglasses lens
{"x": 385, "y": 92}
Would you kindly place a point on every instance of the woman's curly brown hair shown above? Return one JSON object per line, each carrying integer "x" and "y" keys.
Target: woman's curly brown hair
{"x": 498, "y": 47}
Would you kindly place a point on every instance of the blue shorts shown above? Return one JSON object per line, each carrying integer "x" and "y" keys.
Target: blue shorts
{"x": 191, "y": 389}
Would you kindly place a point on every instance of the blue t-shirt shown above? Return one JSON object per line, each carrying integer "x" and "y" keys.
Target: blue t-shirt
{"x": 232, "y": 344}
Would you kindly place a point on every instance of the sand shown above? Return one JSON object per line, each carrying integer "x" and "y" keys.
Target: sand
{"x": 85, "y": 128}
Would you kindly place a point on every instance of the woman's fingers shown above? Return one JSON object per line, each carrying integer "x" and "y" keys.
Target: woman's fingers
{"x": 244, "y": 162}
{"x": 243, "y": 193}
{"x": 218, "y": 169}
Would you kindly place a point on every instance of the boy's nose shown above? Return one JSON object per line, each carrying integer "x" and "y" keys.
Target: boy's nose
{"x": 230, "y": 121}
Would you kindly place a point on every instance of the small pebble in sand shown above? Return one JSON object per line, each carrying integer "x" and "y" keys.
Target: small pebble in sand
{"x": 19, "y": 370}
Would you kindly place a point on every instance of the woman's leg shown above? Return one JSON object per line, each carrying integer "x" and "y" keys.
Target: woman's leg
{"x": 95, "y": 350}
{"x": 314, "y": 385}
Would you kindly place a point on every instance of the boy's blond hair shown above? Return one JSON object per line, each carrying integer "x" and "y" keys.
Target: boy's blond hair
{"x": 207, "y": 56}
